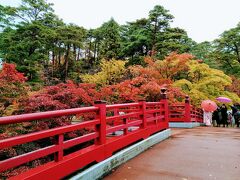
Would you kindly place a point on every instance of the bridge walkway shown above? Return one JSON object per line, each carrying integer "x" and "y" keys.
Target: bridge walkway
{"x": 189, "y": 154}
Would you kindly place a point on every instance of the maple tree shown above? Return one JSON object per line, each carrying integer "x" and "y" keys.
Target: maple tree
{"x": 235, "y": 86}
{"x": 12, "y": 87}
{"x": 203, "y": 82}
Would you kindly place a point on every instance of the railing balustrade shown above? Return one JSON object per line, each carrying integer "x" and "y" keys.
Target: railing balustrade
{"x": 113, "y": 128}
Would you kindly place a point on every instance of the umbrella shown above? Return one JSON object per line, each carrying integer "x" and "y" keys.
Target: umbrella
{"x": 209, "y": 105}
{"x": 223, "y": 99}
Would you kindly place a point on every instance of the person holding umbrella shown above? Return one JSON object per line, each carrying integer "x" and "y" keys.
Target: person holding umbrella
{"x": 208, "y": 107}
{"x": 223, "y": 109}
{"x": 224, "y": 115}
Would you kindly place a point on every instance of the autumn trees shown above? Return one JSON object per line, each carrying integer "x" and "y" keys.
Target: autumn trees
{"x": 41, "y": 44}
{"x": 49, "y": 51}
{"x": 12, "y": 87}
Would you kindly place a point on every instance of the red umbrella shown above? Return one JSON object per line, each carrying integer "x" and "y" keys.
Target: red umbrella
{"x": 209, "y": 105}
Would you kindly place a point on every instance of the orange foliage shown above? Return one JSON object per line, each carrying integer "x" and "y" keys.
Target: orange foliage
{"x": 235, "y": 87}
{"x": 9, "y": 74}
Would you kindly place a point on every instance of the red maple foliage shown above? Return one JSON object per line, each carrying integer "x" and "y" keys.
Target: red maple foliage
{"x": 12, "y": 87}
{"x": 146, "y": 83}
{"x": 10, "y": 74}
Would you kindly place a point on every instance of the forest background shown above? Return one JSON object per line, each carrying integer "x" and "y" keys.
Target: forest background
{"x": 117, "y": 63}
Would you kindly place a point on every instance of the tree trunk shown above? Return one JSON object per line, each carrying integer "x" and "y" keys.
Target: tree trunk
{"x": 95, "y": 50}
{"x": 74, "y": 52}
{"x": 59, "y": 58}
{"x": 78, "y": 54}
{"x": 67, "y": 62}
{"x": 53, "y": 62}
{"x": 237, "y": 52}
{"x": 154, "y": 38}
{"x": 98, "y": 51}
{"x": 229, "y": 64}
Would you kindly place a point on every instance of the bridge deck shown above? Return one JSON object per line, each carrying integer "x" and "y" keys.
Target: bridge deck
{"x": 199, "y": 153}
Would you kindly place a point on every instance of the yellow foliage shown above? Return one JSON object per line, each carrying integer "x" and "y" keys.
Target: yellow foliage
{"x": 204, "y": 82}
{"x": 111, "y": 72}
{"x": 184, "y": 84}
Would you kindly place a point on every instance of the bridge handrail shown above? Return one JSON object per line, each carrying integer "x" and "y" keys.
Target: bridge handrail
{"x": 44, "y": 115}
{"x": 185, "y": 112}
{"x": 148, "y": 117}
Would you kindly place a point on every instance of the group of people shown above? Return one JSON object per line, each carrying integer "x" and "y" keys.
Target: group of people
{"x": 221, "y": 116}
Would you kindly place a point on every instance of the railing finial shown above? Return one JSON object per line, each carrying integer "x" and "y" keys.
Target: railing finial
{"x": 100, "y": 102}
{"x": 187, "y": 99}
{"x": 163, "y": 93}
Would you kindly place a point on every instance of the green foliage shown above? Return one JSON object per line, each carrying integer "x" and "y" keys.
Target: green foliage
{"x": 173, "y": 40}
{"x": 110, "y": 43}
{"x": 227, "y": 51}
{"x": 135, "y": 40}
{"x": 24, "y": 46}
{"x": 28, "y": 11}
{"x": 159, "y": 19}
{"x": 204, "y": 51}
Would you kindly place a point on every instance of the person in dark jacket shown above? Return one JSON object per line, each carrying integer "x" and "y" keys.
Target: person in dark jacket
{"x": 237, "y": 118}
{"x": 236, "y": 114}
{"x": 224, "y": 115}
{"x": 216, "y": 116}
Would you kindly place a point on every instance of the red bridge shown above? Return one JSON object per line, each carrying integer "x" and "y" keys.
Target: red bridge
{"x": 136, "y": 121}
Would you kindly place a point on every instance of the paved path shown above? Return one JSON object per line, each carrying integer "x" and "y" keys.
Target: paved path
{"x": 190, "y": 154}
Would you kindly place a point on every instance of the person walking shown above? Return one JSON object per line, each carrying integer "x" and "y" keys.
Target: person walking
{"x": 207, "y": 118}
{"x": 235, "y": 114}
{"x": 224, "y": 115}
{"x": 216, "y": 117}
{"x": 237, "y": 118}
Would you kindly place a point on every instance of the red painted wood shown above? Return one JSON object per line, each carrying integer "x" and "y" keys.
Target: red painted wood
{"x": 119, "y": 106}
{"x": 132, "y": 114}
{"x": 101, "y": 128}
{"x": 27, "y": 157}
{"x": 79, "y": 140}
{"x": 58, "y": 156}
{"x": 43, "y": 134}
{"x": 150, "y": 117}
{"x": 144, "y": 114}
{"x": 44, "y": 115}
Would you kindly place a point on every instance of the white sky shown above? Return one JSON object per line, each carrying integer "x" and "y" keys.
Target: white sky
{"x": 204, "y": 20}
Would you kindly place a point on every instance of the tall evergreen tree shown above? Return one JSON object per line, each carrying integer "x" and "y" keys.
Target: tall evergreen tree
{"x": 110, "y": 44}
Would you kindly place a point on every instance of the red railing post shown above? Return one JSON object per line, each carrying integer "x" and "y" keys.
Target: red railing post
{"x": 101, "y": 128}
{"x": 187, "y": 114}
{"x": 125, "y": 121}
{"x": 143, "y": 115}
{"x": 165, "y": 103}
{"x": 58, "y": 156}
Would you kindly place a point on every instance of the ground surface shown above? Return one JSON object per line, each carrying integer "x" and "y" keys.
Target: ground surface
{"x": 198, "y": 153}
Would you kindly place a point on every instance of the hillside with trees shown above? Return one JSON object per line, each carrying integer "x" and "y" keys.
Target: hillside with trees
{"x": 49, "y": 52}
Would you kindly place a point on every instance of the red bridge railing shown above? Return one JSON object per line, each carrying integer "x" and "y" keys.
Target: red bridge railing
{"x": 112, "y": 128}
{"x": 135, "y": 122}
{"x": 185, "y": 112}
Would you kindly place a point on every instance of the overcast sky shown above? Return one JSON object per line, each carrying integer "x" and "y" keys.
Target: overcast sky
{"x": 204, "y": 20}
